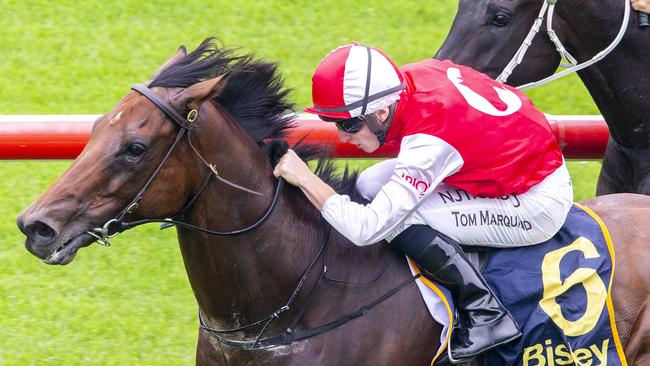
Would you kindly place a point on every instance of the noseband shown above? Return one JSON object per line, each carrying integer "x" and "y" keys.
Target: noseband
{"x": 117, "y": 225}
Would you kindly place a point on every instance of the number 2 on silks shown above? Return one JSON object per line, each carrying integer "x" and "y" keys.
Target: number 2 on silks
{"x": 554, "y": 287}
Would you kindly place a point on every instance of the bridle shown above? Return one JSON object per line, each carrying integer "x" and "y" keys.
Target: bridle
{"x": 117, "y": 225}
{"x": 546, "y": 11}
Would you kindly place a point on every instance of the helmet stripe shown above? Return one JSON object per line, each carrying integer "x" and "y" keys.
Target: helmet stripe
{"x": 359, "y": 103}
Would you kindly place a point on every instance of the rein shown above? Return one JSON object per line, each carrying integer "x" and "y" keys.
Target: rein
{"x": 278, "y": 189}
{"x": 291, "y": 335}
{"x": 547, "y": 12}
{"x": 117, "y": 225}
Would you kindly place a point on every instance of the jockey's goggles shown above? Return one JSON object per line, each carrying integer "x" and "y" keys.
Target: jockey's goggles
{"x": 349, "y": 125}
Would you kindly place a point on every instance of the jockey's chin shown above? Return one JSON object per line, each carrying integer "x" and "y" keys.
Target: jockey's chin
{"x": 364, "y": 139}
{"x": 369, "y": 149}
{"x": 367, "y": 142}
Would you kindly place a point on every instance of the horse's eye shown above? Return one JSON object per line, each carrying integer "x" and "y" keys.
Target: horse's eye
{"x": 501, "y": 19}
{"x": 135, "y": 150}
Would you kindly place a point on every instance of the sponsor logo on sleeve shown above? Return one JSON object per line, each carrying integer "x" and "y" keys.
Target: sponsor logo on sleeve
{"x": 420, "y": 185}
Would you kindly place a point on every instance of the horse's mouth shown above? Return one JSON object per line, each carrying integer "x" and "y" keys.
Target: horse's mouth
{"x": 68, "y": 250}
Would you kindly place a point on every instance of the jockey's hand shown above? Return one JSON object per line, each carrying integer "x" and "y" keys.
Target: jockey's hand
{"x": 296, "y": 172}
{"x": 641, "y": 5}
{"x": 292, "y": 169}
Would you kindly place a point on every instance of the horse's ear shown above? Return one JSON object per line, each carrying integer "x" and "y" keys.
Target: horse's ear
{"x": 180, "y": 53}
{"x": 192, "y": 96}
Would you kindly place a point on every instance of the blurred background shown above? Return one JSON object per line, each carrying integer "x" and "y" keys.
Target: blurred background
{"x": 131, "y": 303}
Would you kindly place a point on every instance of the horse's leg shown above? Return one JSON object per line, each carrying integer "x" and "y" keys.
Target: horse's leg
{"x": 206, "y": 354}
{"x": 616, "y": 174}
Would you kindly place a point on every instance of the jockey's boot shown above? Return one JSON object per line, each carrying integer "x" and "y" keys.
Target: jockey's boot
{"x": 483, "y": 323}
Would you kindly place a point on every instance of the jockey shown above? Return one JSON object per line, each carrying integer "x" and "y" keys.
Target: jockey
{"x": 478, "y": 165}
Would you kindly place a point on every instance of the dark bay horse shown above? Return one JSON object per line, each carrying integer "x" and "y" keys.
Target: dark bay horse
{"x": 238, "y": 280}
{"x": 486, "y": 33}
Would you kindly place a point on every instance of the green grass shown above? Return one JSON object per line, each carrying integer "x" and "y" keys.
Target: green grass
{"x": 125, "y": 305}
{"x": 131, "y": 304}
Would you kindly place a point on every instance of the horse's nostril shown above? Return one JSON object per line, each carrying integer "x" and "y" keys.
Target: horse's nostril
{"x": 20, "y": 222}
{"x": 39, "y": 229}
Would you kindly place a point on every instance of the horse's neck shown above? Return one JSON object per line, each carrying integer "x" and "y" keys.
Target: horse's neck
{"x": 618, "y": 83}
{"x": 240, "y": 279}
{"x": 621, "y": 97}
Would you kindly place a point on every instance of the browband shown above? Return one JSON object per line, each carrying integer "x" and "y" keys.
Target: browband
{"x": 162, "y": 104}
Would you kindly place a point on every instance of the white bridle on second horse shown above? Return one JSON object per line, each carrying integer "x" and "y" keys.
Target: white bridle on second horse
{"x": 572, "y": 66}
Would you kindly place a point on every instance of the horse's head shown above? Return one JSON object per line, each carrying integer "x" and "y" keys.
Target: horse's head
{"x": 486, "y": 33}
{"x": 128, "y": 147}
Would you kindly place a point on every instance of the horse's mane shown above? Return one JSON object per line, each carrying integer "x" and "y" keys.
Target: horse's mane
{"x": 254, "y": 96}
{"x": 253, "y": 93}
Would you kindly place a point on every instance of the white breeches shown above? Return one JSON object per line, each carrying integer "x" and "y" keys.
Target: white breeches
{"x": 509, "y": 221}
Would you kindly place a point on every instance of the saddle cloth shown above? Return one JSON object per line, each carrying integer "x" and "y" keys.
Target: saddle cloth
{"x": 559, "y": 292}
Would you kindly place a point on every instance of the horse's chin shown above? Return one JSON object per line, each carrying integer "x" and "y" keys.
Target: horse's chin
{"x": 68, "y": 250}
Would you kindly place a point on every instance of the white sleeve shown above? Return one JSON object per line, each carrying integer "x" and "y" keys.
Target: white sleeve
{"x": 371, "y": 180}
{"x": 423, "y": 162}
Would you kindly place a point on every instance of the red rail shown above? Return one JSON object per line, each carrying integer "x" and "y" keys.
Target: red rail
{"x": 64, "y": 136}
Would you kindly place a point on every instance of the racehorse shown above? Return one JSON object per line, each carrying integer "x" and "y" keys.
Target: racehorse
{"x": 237, "y": 279}
{"x": 486, "y": 34}
{"x": 274, "y": 284}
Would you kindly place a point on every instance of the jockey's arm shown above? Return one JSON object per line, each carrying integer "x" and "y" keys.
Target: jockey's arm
{"x": 422, "y": 158}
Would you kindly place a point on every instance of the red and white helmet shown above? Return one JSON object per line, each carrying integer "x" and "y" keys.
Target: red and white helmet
{"x": 354, "y": 80}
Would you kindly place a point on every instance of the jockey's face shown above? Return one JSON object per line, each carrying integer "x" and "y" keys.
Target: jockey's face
{"x": 364, "y": 139}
